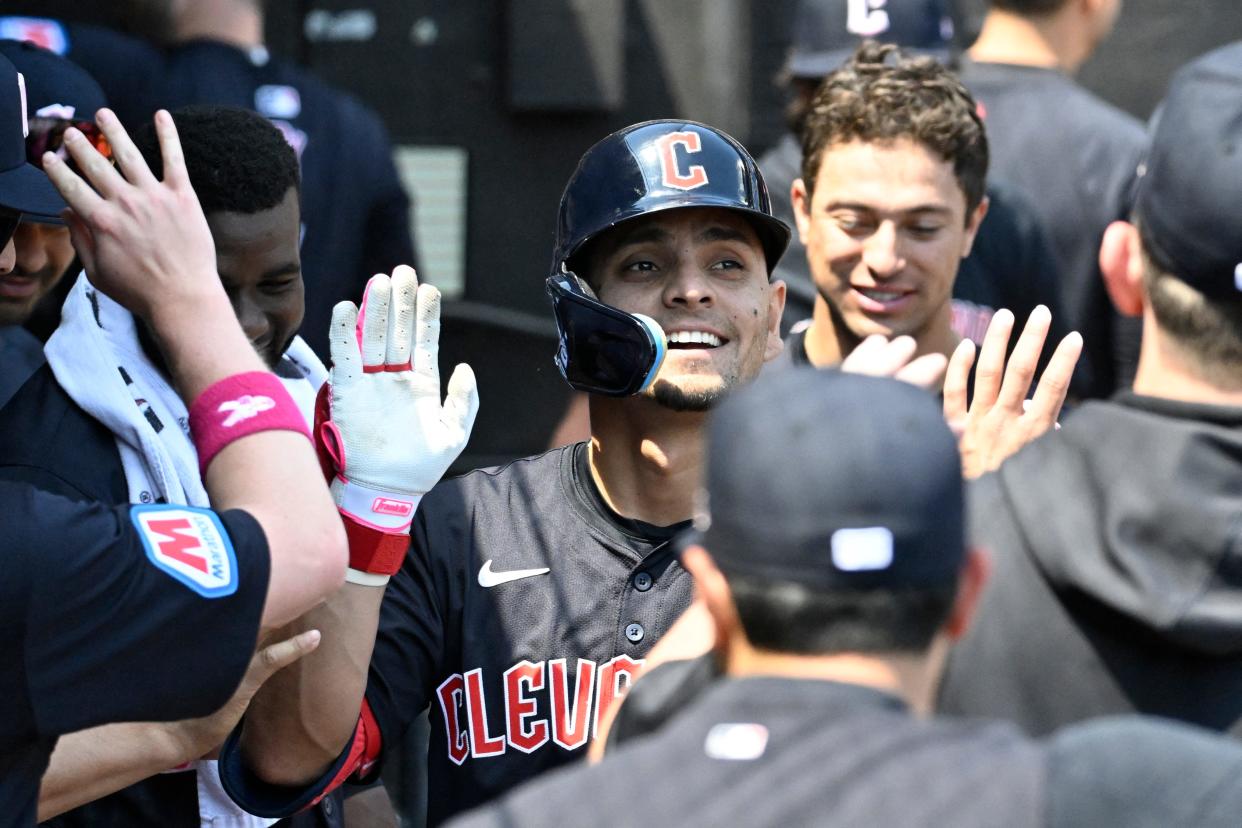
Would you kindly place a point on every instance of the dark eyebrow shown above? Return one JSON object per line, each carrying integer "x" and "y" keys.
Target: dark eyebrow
{"x": 719, "y": 232}
{"x": 642, "y": 235}
{"x": 275, "y": 273}
{"x": 282, "y": 270}
{"x": 866, "y": 208}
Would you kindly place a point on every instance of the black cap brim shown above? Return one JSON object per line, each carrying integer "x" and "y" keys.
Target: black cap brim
{"x": 28, "y": 189}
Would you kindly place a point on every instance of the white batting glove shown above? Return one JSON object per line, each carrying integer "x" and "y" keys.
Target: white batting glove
{"x": 389, "y": 436}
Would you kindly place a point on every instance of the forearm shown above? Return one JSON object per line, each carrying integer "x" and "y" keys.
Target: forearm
{"x": 93, "y": 763}
{"x": 305, "y": 715}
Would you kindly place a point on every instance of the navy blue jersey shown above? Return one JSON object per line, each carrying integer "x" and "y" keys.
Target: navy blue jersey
{"x": 48, "y": 442}
{"x": 116, "y": 613}
{"x": 524, "y": 607}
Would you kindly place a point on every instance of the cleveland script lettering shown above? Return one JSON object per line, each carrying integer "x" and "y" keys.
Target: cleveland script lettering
{"x": 556, "y": 701}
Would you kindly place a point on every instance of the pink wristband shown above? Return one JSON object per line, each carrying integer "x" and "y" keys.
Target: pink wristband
{"x": 238, "y": 406}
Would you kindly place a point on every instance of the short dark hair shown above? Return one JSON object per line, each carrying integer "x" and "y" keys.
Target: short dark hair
{"x": 237, "y": 160}
{"x": 1208, "y": 331}
{"x": 791, "y": 617}
{"x": 882, "y": 94}
{"x": 1029, "y": 8}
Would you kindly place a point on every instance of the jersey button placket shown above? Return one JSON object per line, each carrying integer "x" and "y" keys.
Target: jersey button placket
{"x": 635, "y": 632}
{"x": 643, "y": 581}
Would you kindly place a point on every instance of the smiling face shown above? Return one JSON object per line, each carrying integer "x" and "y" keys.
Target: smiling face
{"x": 42, "y": 254}
{"x": 260, "y": 268}
{"x": 885, "y": 230}
{"x": 701, "y": 273}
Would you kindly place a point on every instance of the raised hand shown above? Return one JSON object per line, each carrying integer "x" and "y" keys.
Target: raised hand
{"x": 144, "y": 242}
{"x": 389, "y": 435}
{"x": 876, "y": 356}
{"x": 999, "y": 419}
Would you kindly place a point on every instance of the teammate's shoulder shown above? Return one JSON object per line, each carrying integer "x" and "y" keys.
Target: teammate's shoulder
{"x": 43, "y": 431}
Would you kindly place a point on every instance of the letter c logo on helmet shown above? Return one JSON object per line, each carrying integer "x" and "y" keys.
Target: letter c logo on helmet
{"x": 696, "y": 174}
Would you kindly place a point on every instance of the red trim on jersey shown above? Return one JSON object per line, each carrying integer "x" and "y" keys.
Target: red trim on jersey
{"x": 364, "y": 752}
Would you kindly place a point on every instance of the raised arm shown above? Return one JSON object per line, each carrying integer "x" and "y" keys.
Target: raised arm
{"x": 387, "y": 441}
{"x": 146, "y": 243}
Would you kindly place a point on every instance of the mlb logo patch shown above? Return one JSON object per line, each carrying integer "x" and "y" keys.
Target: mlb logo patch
{"x": 275, "y": 101}
{"x": 41, "y": 32}
{"x": 190, "y": 545}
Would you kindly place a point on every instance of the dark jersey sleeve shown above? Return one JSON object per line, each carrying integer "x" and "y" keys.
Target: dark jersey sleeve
{"x": 130, "y": 613}
{"x": 406, "y": 658}
{"x": 409, "y": 645}
{"x": 1143, "y": 773}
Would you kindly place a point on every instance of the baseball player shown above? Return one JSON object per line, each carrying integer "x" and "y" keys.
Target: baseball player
{"x": 100, "y": 421}
{"x": 834, "y": 587}
{"x": 530, "y": 593}
{"x": 356, "y": 211}
{"x": 1010, "y": 264}
{"x": 890, "y": 199}
{"x": 1115, "y": 542}
{"x": 58, "y": 94}
{"x": 151, "y": 611}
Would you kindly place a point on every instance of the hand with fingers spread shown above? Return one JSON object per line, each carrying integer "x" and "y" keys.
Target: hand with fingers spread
{"x": 999, "y": 419}
{"x": 143, "y": 241}
{"x": 876, "y": 356}
{"x": 383, "y": 431}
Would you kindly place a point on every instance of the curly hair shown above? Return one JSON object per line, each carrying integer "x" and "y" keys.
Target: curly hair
{"x": 882, "y": 94}
{"x": 238, "y": 162}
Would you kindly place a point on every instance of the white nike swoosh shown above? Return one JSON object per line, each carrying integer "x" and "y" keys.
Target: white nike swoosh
{"x": 487, "y": 578}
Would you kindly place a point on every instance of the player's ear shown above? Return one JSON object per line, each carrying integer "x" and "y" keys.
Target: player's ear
{"x": 1121, "y": 264}
{"x": 976, "y": 569}
{"x": 777, "y": 294}
{"x": 801, "y": 200}
{"x": 973, "y": 222}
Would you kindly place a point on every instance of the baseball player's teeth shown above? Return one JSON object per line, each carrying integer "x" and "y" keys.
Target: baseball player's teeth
{"x": 694, "y": 338}
{"x": 880, "y": 295}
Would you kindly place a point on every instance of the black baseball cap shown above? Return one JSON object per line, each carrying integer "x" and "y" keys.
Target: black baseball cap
{"x": 1190, "y": 185}
{"x": 56, "y": 87}
{"x": 826, "y": 32}
{"x": 834, "y": 481}
{"x": 23, "y": 187}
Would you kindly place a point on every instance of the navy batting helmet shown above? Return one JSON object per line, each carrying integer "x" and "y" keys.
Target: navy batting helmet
{"x": 663, "y": 165}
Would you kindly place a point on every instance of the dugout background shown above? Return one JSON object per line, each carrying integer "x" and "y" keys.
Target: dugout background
{"x": 492, "y": 101}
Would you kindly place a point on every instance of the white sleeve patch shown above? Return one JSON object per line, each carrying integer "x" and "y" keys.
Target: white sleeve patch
{"x": 190, "y": 545}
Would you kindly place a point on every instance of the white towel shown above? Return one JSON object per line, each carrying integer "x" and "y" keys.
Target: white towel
{"x": 97, "y": 359}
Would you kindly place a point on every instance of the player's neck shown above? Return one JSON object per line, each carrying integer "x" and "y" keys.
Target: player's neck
{"x": 909, "y": 677}
{"x": 1165, "y": 370}
{"x": 646, "y": 459}
{"x": 1052, "y": 42}
{"x": 236, "y": 22}
{"x": 829, "y": 341}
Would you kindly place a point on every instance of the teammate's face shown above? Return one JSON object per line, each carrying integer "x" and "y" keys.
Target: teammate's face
{"x": 43, "y": 253}
{"x": 700, "y": 273}
{"x": 261, "y": 269}
{"x": 884, "y": 232}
